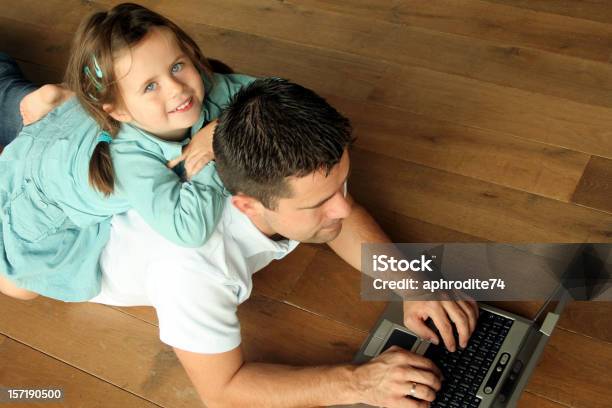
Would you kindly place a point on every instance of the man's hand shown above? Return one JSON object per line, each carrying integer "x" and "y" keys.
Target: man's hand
{"x": 463, "y": 313}
{"x": 198, "y": 152}
{"x": 35, "y": 105}
{"x": 389, "y": 378}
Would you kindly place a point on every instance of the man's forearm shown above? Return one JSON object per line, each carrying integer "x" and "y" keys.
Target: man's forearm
{"x": 272, "y": 385}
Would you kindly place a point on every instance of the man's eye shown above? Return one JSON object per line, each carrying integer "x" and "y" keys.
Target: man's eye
{"x": 177, "y": 67}
{"x": 151, "y": 87}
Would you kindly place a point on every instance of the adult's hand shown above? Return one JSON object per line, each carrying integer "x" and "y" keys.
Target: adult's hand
{"x": 463, "y": 313}
{"x": 389, "y": 379}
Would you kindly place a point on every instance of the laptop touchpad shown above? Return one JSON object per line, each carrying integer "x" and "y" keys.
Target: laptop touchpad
{"x": 401, "y": 339}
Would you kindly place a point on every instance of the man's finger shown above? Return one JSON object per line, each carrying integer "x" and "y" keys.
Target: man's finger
{"x": 420, "y": 329}
{"x": 424, "y": 377}
{"x": 420, "y": 362}
{"x": 445, "y": 328}
{"x": 421, "y": 391}
{"x": 461, "y": 321}
{"x": 471, "y": 314}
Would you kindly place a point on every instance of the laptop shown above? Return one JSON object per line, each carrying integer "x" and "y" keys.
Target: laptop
{"x": 497, "y": 363}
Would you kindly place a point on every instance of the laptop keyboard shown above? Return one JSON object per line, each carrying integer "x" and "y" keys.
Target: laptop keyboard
{"x": 465, "y": 370}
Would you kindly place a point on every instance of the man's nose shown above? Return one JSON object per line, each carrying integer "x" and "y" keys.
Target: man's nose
{"x": 338, "y": 206}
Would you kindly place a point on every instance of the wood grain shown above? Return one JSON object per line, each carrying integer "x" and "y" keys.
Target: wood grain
{"x": 497, "y": 22}
{"x": 279, "y": 278}
{"x": 477, "y": 153}
{"x": 595, "y": 10}
{"x": 588, "y": 318}
{"x": 330, "y": 287}
{"x": 103, "y": 342}
{"x": 80, "y": 389}
{"x": 470, "y": 206}
{"x": 595, "y": 187}
{"x": 530, "y": 400}
{"x": 280, "y": 333}
{"x": 572, "y": 369}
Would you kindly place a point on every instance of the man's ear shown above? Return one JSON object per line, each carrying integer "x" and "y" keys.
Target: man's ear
{"x": 117, "y": 113}
{"x": 247, "y": 205}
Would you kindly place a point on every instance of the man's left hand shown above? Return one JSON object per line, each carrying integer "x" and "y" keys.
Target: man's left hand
{"x": 462, "y": 313}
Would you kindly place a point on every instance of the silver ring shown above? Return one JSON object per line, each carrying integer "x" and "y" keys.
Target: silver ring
{"x": 413, "y": 390}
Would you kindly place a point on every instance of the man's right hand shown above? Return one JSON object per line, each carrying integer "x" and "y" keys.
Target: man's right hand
{"x": 387, "y": 380}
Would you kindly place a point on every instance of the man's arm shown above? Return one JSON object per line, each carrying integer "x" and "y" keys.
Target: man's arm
{"x": 359, "y": 227}
{"x": 225, "y": 380}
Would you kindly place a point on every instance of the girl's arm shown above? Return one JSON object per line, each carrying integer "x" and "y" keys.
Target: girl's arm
{"x": 183, "y": 212}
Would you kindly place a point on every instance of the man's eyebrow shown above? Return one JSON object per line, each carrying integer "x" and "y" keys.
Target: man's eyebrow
{"x": 320, "y": 203}
{"x": 145, "y": 83}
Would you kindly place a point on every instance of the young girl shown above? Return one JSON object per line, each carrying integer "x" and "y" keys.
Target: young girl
{"x": 142, "y": 89}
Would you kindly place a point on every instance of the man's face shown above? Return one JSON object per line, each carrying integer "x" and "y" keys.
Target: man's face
{"x": 315, "y": 210}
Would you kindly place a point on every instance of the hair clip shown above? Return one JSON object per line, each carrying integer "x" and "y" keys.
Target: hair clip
{"x": 91, "y": 77}
{"x": 104, "y": 137}
{"x": 97, "y": 67}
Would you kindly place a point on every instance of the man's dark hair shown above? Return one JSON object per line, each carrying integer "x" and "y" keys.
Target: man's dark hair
{"x": 275, "y": 129}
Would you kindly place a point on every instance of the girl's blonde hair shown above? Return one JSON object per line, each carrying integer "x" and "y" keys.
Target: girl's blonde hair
{"x": 90, "y": 73}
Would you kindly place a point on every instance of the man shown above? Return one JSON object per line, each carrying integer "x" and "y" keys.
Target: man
{"x": 282, "y": 152}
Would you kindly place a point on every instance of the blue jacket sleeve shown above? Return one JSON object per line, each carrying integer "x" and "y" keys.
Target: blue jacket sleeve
{"x": 185, "y": 212}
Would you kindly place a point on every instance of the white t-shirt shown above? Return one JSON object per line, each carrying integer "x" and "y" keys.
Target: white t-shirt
{"x": 195, "y": 291}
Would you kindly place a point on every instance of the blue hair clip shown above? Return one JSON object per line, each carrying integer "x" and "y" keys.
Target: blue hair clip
{"x": 104, "y": 137}
{"x": 91, "y": 77}
{"x": 96, "y": 67}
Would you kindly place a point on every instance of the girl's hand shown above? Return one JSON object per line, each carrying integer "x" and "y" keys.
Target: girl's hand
{"x": 35, "y": 105}
{"x": 198, "y": 152}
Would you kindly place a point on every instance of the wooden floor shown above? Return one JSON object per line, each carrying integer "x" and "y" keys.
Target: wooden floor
{"x": 477, "y": 121}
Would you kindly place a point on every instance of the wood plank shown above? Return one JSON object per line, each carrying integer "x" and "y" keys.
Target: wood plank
{"x": 34, "y": 44}
{"x": 103, "y": 342}
{"x": 482, "y": 154}
{"x": 401, "y": 228}
{"x": 490, "y": 61}
{"x": 279, "y": 333}
{"x": 530, "y": 400}
{"x": 498, "y": 22}
{"x": 80, "y": 389}
{"x": 330, "y": 287}
{"x": 595, "y": 10}
{"x": 454, "y": 98}
{"x": 470, "y": 206}
{"x": 572, "y": 371}
{"x": 588, "y": 318}
{"x": 595, "y": 187}
{"x": 279, "y": 278}
{"x": 40, "y": 74}
{"x": 545, "y": 119}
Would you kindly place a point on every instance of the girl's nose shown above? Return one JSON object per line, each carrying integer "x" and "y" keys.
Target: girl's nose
{"x": 175, "y": 87}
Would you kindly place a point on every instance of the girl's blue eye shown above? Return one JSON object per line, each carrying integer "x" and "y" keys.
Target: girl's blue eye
{"x": 151, "y": 87}
{"x": 177, "y": 67}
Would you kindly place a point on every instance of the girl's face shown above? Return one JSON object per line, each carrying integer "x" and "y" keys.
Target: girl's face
{"x": 160, "y": 88}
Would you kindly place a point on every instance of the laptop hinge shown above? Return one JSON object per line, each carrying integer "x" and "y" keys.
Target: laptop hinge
{"x": 549, "y": 323}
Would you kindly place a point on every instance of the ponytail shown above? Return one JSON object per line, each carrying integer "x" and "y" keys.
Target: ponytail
{"x": 101, "y": 171}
